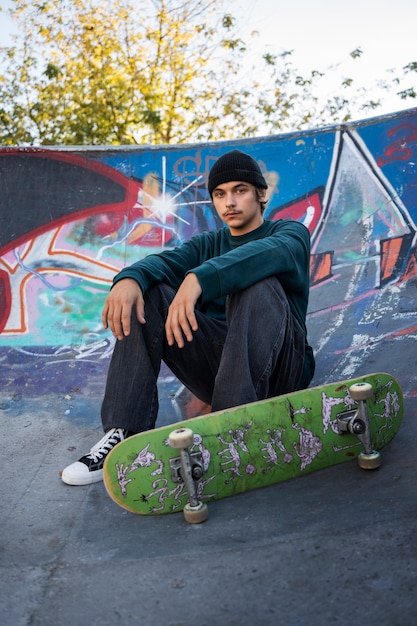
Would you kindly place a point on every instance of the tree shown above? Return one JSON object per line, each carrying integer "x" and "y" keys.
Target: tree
{"x": 113, "y": 71}
{"x": 291, "y": 101}
{"x": 160, "y": 71}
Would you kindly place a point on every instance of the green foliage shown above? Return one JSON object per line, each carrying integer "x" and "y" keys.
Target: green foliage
{"x": 355, "y": 54}
{"x": 115, "y": 72}
{"x": 410, "y": 92}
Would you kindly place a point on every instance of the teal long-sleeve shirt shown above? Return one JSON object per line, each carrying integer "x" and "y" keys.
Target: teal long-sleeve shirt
{"x": 225, "y": 264}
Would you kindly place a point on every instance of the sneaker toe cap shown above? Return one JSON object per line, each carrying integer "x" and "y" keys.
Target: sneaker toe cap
{"x": 79, "y": 474}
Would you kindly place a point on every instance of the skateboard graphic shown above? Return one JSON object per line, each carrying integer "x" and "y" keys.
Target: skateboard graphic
{"x": 184, "y": 466}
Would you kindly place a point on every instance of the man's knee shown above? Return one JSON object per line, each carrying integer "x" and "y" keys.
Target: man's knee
{"x": 158, "y": 297}
{"x": 266, "y": 292}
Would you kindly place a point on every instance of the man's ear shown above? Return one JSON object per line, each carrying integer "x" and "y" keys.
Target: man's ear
{"x": 262, "y": 195}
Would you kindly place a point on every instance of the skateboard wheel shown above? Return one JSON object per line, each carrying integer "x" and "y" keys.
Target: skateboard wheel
{"x": 196, "y": 514}
{"x": 361, "y": 391}
{"x": 181, "y": 438}
{"x": 369, "y": 461}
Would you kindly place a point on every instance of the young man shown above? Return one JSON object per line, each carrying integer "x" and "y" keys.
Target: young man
{"x": 226, "y": 312}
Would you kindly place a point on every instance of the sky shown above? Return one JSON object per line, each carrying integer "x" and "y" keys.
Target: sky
{"x": 320, "y": 29}
{"x": 323, "y": 33}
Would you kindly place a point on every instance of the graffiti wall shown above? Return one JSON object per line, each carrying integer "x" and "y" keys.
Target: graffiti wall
{"x": 70, "y": 219}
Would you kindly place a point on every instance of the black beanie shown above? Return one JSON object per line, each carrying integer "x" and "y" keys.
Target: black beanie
{"x": 235, "y": 165}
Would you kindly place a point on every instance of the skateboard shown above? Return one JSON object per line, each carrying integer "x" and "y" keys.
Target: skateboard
{"x": 184, "y": 466}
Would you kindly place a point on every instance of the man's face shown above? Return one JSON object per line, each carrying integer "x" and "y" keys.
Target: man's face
{"x": 238, "y": 206}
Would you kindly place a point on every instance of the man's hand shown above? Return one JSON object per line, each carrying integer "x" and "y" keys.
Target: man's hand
{"x": 181, "y": 320}
{"x": 117, "y": 309}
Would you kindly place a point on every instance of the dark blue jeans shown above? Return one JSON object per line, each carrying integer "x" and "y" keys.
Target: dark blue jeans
{"x": 258, "y": 352}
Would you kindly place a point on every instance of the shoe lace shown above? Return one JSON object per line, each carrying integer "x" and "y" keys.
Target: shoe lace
{"x": 106, "y": 444}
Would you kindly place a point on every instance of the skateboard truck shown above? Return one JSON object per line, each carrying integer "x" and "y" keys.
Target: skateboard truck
{"x": 357, "y": 423}
{"x": 189, "y": 469}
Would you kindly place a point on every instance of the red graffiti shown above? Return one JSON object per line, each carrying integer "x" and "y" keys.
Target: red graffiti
{"x": 400, "y": 149}
{"x": 5, "y": 299}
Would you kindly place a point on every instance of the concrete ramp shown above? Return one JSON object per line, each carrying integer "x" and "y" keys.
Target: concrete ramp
{"x": 338, "y": 546}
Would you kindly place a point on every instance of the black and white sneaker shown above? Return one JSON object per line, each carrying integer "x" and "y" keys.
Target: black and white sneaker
{"x": 89, "y": 469}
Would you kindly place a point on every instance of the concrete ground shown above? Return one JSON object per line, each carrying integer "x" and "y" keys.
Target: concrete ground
{"x": 335, "y": 547}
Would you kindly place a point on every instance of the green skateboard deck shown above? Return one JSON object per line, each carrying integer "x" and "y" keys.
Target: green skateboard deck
{"x": 253, "y": 445}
